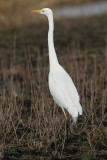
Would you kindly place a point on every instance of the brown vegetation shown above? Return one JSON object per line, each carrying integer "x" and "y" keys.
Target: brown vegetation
{"x": 29, "y": 118}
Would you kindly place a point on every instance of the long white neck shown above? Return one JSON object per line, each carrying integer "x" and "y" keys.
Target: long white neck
{"x": 52, "y": 54}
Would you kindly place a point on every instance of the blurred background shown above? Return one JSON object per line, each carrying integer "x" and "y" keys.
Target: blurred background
{"x": 17, "y": 12}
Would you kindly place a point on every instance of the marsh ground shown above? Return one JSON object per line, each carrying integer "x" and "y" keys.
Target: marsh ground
{"x": 32, "y": 126}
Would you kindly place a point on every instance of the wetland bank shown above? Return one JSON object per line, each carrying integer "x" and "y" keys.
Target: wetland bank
{"x": 31, "y": 125}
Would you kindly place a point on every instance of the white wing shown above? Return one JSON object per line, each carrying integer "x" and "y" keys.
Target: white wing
{"x": 64, "y": 92}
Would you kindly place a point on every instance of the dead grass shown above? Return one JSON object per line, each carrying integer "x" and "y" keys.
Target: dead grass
{"x": 28, "y": 115}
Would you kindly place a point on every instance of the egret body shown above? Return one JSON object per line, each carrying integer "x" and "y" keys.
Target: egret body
{"x": 61, "y": 85}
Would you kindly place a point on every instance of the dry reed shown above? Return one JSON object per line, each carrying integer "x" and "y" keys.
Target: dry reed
{"x": 28, "y": 115}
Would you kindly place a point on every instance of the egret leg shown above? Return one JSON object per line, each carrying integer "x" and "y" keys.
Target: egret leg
{"x": 64, "y": 112}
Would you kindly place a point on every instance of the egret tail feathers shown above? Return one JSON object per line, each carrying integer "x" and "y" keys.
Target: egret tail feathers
{"x": 79, "y": 107}
{"x": 74, "y": 119}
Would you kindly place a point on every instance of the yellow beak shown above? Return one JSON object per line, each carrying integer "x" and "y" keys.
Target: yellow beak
{"x": 36, "y": 11}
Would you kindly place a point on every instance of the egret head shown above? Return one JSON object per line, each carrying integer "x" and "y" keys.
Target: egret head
{"x": 45, "y": 11}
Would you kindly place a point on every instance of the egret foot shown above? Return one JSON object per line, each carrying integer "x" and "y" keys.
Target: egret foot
{"x": 64, "y": 112}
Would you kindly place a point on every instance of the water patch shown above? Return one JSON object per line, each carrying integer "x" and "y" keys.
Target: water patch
{"x": 86, "y": 10}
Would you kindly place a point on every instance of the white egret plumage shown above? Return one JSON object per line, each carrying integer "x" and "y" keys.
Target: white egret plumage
{"x": 61, "y": 85}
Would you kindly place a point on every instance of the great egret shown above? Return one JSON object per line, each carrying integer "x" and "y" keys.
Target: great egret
{"x": 61, "y": 85}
